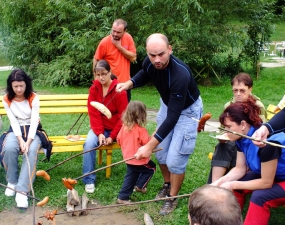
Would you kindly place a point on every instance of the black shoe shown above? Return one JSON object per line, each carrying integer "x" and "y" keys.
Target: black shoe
{"x": 168, "y": 206}
{"x": 163, "y": 192}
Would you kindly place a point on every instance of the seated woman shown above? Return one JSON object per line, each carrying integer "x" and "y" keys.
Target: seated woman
{"x": 22, "y": 107}
{"x": 260, "y": 171}
{"x": 224, "y": 157}
{"x": 103, "y": 130}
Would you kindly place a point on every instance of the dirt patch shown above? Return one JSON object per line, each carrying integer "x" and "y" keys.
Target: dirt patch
{"x": 100, "y": 217}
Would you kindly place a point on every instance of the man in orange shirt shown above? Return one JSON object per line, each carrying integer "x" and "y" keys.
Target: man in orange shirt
{"x": 118, "y": 49}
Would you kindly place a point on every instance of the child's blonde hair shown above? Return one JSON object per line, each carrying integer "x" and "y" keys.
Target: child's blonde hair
{"x": 135, "y": 113}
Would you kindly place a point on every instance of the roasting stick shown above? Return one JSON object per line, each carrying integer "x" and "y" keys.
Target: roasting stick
{"x": 78, "y": 154}
{"x": 127, "y": 204}
{"x": 40, "y": 203}
{"x": 68, "y": 182}
{"x": 242, "y": 135}
{"x": 102, "y": 168}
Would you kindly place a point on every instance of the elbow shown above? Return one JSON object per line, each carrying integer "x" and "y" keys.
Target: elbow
{"x": 266, "y": 184}
{"x": 133, "y": 58}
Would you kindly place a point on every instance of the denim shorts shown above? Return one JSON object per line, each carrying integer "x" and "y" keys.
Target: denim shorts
{"x": 179, "y": 144}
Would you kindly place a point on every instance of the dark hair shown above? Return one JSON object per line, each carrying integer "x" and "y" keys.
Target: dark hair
{"x": 242, "y": 78}
{"x": 103, "y": 64}
{"x": 239, "y": 111}
{"x": 19, "y": 75}
{"x": 212, "y": 205}
{"x": 135, "y": 113}
{"x": 121, "y": 21}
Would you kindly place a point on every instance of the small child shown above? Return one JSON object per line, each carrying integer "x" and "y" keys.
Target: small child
{"x": 132, "y": 136}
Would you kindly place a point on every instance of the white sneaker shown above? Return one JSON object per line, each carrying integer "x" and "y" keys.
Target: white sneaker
{"x": 22, "y": 200}
{"x": 90, "y": 188}
{"x": 8, "y": 191}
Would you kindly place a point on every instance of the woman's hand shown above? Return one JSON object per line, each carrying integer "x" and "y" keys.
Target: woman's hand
{"x": 108, "y": 141}
{"x": 227, "y": 185}
{"x": 102, "y": 139}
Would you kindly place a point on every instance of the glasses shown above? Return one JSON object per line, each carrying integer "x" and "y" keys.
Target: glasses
{"x": 102, "y": 74}
{"x": 242, "y": 91}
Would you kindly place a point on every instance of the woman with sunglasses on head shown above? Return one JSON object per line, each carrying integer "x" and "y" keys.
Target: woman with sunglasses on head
{"x": 259, "y": 171}
{"x": 103, "y": 130}
{"x": 224, "y": 157}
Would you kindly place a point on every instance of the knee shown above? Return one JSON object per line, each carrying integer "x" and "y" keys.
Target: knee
{"x": 175, "y": 168}
{"x": 257, "y": 197}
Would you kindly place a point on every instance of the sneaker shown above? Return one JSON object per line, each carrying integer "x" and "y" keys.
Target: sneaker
{"x": 168, "y": 206}
{"x": 120, "y": 201}
{"x": 21, "y": 200}
{"x": 143, "y": 190}
{"x": 8, "y": 191}
{"x": 164, "y": 191}
{"x": 90, "y": 188}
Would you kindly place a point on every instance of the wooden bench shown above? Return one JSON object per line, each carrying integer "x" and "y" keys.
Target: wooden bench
{"x": 69, "y": 104}
{"x": 270, "y": 111}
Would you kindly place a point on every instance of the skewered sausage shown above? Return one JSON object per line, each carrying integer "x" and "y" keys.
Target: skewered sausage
{"x": 203, "y": 121}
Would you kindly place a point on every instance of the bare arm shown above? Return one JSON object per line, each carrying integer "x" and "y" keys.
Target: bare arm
{"x": 268, "y": 170}
{"x": 94, "y": 63}
{"x": 128, "y": 54}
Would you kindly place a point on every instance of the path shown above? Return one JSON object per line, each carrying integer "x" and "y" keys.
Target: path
{"x": 100, "y": 217}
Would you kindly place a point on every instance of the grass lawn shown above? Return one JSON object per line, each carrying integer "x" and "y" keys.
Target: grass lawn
{"x": 269, "y": 87}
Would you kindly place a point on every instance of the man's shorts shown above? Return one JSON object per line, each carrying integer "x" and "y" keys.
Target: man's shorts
{"x": 179, "y": 144}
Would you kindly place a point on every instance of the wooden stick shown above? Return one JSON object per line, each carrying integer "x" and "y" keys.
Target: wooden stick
{"x": 81, "y": 153}
{"x": 3, "y": 185}
{"x": 128, "y": 204}
{"x": 242, "y": 135}
{"x": 74, "y": 124}
{"x": 102, "y": 168}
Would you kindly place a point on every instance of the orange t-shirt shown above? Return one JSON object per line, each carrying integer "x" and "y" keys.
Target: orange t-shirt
{"x": 120, "y": 65}
{"x": 130, "y": 141}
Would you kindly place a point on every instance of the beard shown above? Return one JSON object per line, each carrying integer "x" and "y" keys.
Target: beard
{"x": 116, "y": 38}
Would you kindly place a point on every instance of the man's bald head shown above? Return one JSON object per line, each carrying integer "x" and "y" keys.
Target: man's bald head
{"x": 158, "y": 50}
{"x": 214, "y": 205}
{"x": 157, "y": 37}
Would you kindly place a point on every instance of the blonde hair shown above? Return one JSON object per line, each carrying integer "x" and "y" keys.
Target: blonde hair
{"x": 135, "y": 113}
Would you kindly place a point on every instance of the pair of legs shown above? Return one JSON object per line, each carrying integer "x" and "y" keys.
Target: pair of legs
{"x": 178, "y": 145}
{"x": 137, "y": 175}
{"x": 89, "y": 158}
{"x": 10, "y": 153}
{"x": 261, "y": 200}
{"x": 224, "y": 158}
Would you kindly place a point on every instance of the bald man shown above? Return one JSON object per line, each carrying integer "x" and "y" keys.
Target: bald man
{"x": 180, "y": 100}
{"x": 213, "y": 205}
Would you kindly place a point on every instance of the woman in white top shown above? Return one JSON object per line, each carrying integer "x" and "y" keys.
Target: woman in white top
{"x": 22, "y": 107}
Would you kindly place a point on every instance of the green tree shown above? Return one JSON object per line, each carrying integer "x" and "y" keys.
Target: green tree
{"x": 55, "y": 39}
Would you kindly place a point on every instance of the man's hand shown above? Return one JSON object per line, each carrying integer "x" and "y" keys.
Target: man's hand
{"x": 124, "y": 86}
{"x": 143, "y": 152}
{"x": 117, "y": 43}
{"x": 260, "y": 134}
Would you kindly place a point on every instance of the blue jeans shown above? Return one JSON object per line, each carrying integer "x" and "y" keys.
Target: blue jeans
{"x": 138, "y": 175}
{"x": 89, "y": 158}
{"x": 179, "y": 144}
{"x": 10, "y": 154}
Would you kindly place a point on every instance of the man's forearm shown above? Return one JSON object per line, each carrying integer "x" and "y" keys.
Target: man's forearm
{"x": 94, "y": 63}
{"x": 128, "y": 54}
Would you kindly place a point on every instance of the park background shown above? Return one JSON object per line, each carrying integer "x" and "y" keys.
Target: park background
{"x": 54, "y": 41}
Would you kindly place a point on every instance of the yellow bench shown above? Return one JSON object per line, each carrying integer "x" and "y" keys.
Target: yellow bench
{"x": 270, "y": 111}
{"x": 69, "y": 104}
